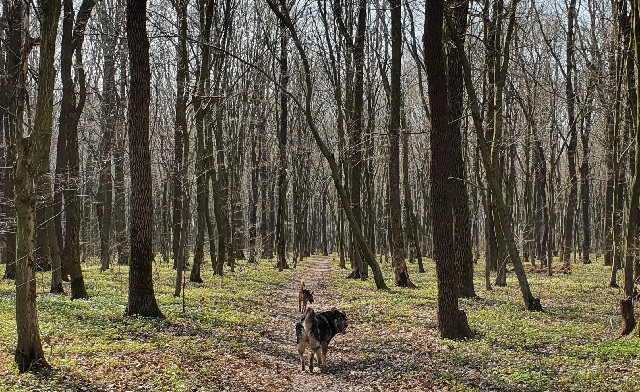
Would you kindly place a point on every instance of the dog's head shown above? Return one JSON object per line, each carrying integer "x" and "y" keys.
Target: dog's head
{"x": 339, "y": 320}
{"x": 311, "y": 297}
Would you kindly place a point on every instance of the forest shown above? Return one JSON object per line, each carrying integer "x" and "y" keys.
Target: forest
{"x": 461, "y": 179}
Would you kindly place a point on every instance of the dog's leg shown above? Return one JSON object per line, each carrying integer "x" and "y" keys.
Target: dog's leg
{"x": 325, "y": 347}
{"x": 320, "y": 359}
{"x": 299, "y": 304}
{"x": 311, "y": 360}
{"x": 301, "y": 353}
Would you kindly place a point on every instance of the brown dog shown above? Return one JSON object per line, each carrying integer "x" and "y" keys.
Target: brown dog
{"x": 304, "y": 296}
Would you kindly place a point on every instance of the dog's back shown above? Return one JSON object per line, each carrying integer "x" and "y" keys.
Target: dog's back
{"x": 307, "y": 328}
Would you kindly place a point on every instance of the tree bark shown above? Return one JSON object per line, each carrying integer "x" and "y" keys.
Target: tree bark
{"x": 119, "y": 186}
{"x": 281, "y": 237}
{"x": 631, "y": 240}
{"x": 567, "y": 242}
{"x": 460, "y": 199}
{"x": 181, "y": 142}
{"x": 32, "y": 162}
{"x": 109, "y": 102}
{"x": 11, "y": 121}
{"x": 452, "y": 322}
{"x": 70, "y": 109}
{"x": 256, "y": 158}
{"x": 141, "y": 299}
{"x": 395, "y": 208}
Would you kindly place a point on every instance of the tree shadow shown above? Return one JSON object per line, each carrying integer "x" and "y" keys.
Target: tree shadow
{"x": 63, "y": 382}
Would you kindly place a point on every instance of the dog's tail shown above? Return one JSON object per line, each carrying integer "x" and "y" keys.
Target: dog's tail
{"x": 301, "y": 284}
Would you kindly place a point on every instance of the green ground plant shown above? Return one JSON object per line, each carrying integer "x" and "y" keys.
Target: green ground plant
{"x": 572, "y": 346}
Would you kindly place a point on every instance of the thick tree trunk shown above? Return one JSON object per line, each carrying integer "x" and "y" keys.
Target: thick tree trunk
{"x": 531, "y": 303}
{"x": 141, "y": 299}
{"x": 29, "y": 350}
{"x": 10, "y": 121}
{"x": 631, "y": 239}
{"x": 452, "y": 322}
{"x": 70, "y": 110}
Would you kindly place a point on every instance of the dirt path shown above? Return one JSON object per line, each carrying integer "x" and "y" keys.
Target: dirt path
{"x": 368, "y": 357}
{"x": 316, "y": 275}
{"x": 273, "y": 362}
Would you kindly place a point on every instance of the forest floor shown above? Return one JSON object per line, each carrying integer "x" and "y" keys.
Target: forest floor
{"x": 237, "y": 333}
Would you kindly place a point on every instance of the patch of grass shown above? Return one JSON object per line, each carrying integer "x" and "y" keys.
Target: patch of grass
{"x": 572, "y": 346}
{"x": 91, "y": 345}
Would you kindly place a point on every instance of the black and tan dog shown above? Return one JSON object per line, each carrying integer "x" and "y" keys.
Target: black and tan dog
{"x": 304, "y": 296}
{"x": 316, "y": 330}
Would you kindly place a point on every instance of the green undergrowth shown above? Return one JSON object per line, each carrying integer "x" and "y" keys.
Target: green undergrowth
{"x": 573, "y": 345}
{"x": 91, "y": 345}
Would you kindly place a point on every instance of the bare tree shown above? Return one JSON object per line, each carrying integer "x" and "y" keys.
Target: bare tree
{"x": 452, "y": 322}
{"x": 328, "y": 155}
{"x": 395, "y": 103}
{"x": 33, "y": 162}
{"x": 531, "y": 303}
{"x": 70, "y": 109}
{"x": 181, "y": 150}
{"x": 141, "y": 300}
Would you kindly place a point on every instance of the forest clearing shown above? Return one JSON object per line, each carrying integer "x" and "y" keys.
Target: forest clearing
{"x": 237, "y": 334}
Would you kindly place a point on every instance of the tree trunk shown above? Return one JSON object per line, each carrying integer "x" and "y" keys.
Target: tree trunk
{"x": 181, "y": 143}
{"x": 412, "y": 220}
{"x": 531, "y": 303}
{"x": 281, "y": 238}
{"x": 585, "y": 176}
{"x": 141, "y": 299}
{"x": 119, "y": 186}
{"x": 452, "y": 322}
{"x": 395, "y": 208}
{"x": 109, "y": 102}
{"x": 630, "y": 243}
{"x": 32, "y": 162}
{"x": 567, "y": 242}
{"x": 10, "y": 123}
{"x": 460, "y": 199}
{"x": 256, "y": 158}
{"x": 70, "y": 110}
{"x": 220, "y": 173}
{"x": 266, "y": 231}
